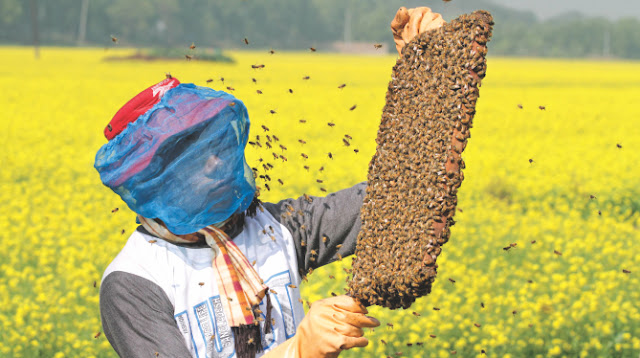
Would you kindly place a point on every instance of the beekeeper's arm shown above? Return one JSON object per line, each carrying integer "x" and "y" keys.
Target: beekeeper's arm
{"x": 331, "y": 326}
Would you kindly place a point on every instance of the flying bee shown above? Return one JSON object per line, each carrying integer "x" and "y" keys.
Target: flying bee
{"x": 307, "y": 198}
{"x": 273, "y": 111}
{"x": 452, "y": 280}
{"x": 331, "y": 124}
{"x": 306, "y": 167}
{"x": 416, "y": 314}
{"x": 282, "y": 147}
{"x": 280, "y": 181}
{"x": 94, "y": 284}
{"x": 272, "y": 51}
{"x": 334, "y": 294}
{"x": 114, "y": 39}
{"x": 303, "y": 121}
{"x": 323, "y": 190}
{"x": 231, "y": 88}
{"x": 97, "y": 335}
{"x": 346, "y": 142}
{"x": 290, "y": 90}
{"x": 432, "y": 336}
{"x": 320, "y": 181}
{"x": 383, "y": 341}
{"x": 253, "y": 263}
{"x": 246, "y": 41}
{"x": 276, "y": 138}
{"x": 542, "y": 108}
{"x": 557, "y": 252}
{"x": 304, "y": 156}
{"x": 356, "y": 150}
{"x": 324, "y": 239}
{"x": 377, "y": 46}
{"x": 619, "y": 145}
{"x": 436, "y": 309}
{"x": 321, "y": 169}
{"x": 266, "y": 129}
{"x": 268, "y": 145}
{"x": 188, "y": 57}
{"x": 342, "y": 86}
{"x": 520, "y": 106}
{"x": 152, "y": 241}
{"x": 193, "y": 46}
{"x": 258, "y": 92}
{"x": 339, "y": 257}
{"x": 257, "y": 66}
{"x": 477, "y": 325}
{"x": 419, "y": 343}
{"x": 115, "y": 210}
{"x": 209, "y": 80}
{"x": 306, "y": 77}
{"x": 254, "y": 80}
{"x": 313, "y": 49}
{"x": 284, "y": 159}
{"x": 330, "y": 155}
{"x": 348, "y": 137}
{"x": 531, "y": 161}
{"x": 331, "y": 277}
{"x": 303, "y": 243}
{"x": 122, "y": 232}
{"x": 482, "y": 304}
{"x": 390, "y": 325}
{"x": 514, "y": 312}
{"x": 293, "y": 286}
{"x": 591, "y": 196}
{"x": 201, "y": 283}
{"x": 338, "y": 246}
{"x": 301, "y": 141}
{"x": 452, "y": 352}
{"x": 626, "y": 271}
{"x": 352, "y": 107}
{"x": 267, "y": 186}
{"x": 168, "y": 75}
{"x": 533, "y": 241}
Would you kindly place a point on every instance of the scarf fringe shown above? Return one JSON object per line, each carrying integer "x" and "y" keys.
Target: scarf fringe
{"x": 248, "y": 338}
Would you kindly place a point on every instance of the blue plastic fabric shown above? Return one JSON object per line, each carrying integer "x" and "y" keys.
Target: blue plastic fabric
{"x": 183, "y": 160}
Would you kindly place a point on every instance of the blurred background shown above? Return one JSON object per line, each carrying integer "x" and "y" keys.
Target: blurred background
{"x": 543, "y": 28}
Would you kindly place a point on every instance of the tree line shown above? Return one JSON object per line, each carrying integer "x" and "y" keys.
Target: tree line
{"x": 296, "y": 24}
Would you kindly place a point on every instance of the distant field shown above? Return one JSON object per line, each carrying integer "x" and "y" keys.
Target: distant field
{"x": 563, "y": 179}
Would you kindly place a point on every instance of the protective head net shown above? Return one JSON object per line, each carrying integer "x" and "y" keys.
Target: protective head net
{"x": 183, "y": 160}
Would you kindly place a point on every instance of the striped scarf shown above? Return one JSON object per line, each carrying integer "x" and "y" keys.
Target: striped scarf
{"x": 241, "y": 289}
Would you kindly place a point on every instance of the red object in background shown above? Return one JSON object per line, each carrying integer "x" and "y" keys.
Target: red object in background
{"x": 137, "y": 106}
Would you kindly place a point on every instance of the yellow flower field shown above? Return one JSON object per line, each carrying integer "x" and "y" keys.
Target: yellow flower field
{"x": 559, "y": 183}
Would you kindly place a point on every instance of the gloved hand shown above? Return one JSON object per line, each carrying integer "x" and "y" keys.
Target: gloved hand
{"x": 331, "y": 326}
{"x": 407, "y": 24}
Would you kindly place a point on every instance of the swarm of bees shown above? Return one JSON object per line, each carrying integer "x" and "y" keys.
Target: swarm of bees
{"x": 415, "y": 173}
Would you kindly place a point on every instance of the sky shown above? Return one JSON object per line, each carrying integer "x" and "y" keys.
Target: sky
{"x": 611, "y": 9}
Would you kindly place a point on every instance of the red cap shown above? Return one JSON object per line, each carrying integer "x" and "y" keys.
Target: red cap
{"x": 138, "y": 106}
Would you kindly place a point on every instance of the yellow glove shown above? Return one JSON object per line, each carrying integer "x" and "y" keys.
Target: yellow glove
{"x": 407, "y": 24}
{"x": 331, "y": 326}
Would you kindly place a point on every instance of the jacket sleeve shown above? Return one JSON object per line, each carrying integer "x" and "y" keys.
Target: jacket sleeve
{"x": 137, "y": 318}
{"x": 323, "y": 228}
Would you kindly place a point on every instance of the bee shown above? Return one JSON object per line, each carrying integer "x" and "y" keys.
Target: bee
{"x": 323, "y": 190}
{"x": 280, "y": 181}
{"x": 232, "y": 104}
{"x": 273, "y": 291}
{"x": 342, "y": 86}
{"x": 193, "y": 46}
{"x": 591, "y": 196}
{"x": 293, "y": 286}
{"x": 339, "y": 257}
{"x": 482, "y": 304}
{"x": 321, "y": 169}
{"x": 557, "y": 252}
{"x": 114, "y": 39}
{"x": 94, "y": 284}
{"x": 250, "y": 341}
{"x": 338, "y": 246}
{"x": 290, "y": 90}
{"x": 529, "y": 281}
{"x": 432, "y": 336}
{"x": 304, "y": 156}
{"x": 253, "y": 263}
{"x": 520, "y": 106}
{"x": 246, "y": 41}
{"x": 303, "y": 121}
{"x": 331, "y": 124}
{"x": 254, "y": 80}
{"x": 419, "y": 343}
{"x": 276, "y": 138}
{"x": 282, "y": 147}
{"x": 377, "y": 46}
{"x": 452, "y": 280}
{"x": 542, "y": 108}
{"x": 272, "y": 51}
{"x": 267, "y": 186}
{"x": 97, "y": 335}
{"x": 258, "y": 92}
{"x": 436, "y": 308}
{"x": 188, "y": 57}
{"x": 313, "y": 252}
{"x": 266, "y": 129}
{"x": 273, "y": 111}
{"x": 324, "y": 239}
{"x": 301, "y": 141}
{"x": 416, "y": 314}
{"x": 330, "y": 155}
{"x": 346, "y": 142}
{"x": 352, "y": 107}
{"x": 452, "y": 352}
{"x": 152, "y": 241}
{"x": 306, "y": 167}
{"x": 313, "y": 49}
{"x": 626, "y": 271}
{"x": 157, "y": 354}
{"x": 201, "y": 284}
{"x": 222, "y": 80}
{"x": 390, "y": 325}
{"x": 477, "y": 325}
{"x": 356, "y": 150}
{"x": 514, "y": 312}
{"x": 511, "y": 246}
{"x": 333, "y": 294}
{"x": 168, "y": 75}
{"x": 307, "y": 198}
{"x": 306, "y": 77}
{"x": 398, "y": 353}
{"x": 619, "y": 145}
{"x": 348, "y": 137}
{"x": 409, "y": 344}
{"x": 115, "y": 210}
{"x": 483, "y": 352}
{"x": 533, "y": 241}
{"x": 383, "y": 341}
{"x": 257, "y": 66}
{"x": 122, "y": 232}
{"x": 320, "y": 181}
{"x": 331, "y": 277}
{"x": 231, "y": 88}
{"x": 531, "y": 161}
